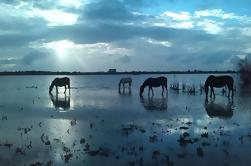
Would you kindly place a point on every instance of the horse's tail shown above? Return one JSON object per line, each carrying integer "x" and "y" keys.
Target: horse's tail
{"x": 69, "y": 83}
{"x": 166, "y": 84}
{"x": 232, "y": 83}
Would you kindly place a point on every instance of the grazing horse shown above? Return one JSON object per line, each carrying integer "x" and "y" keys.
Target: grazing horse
{"x": 154, "y": 82}
{"x": 124, "y": 81}
{"x": 218, "y": 82}
{"x": 59, "y": 82}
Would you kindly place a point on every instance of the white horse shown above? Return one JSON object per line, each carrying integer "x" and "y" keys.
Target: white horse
{"x": 124, "y": 81}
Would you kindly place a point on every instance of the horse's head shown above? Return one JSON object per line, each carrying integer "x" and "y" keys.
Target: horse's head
{"x": 141, "y": 90}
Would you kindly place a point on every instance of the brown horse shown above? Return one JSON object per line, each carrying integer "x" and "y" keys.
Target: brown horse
{"x": 154, "y": 82}
{"x": 59, "y": 82}
{"x": 218, "y": 82}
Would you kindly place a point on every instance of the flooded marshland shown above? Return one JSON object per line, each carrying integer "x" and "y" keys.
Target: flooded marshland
{"x": 94, "y": 124}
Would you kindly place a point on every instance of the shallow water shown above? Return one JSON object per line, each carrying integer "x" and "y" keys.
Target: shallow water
{"x": 94, "y": 124}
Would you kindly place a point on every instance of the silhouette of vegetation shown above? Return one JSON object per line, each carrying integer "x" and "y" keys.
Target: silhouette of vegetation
{"x": 245, "y": 72}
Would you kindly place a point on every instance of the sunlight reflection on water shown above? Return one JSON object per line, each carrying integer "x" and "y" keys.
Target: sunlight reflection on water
{"x": 108, "y": 119}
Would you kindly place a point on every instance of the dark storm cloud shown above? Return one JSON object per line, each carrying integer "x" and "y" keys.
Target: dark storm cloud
{"x": 93, "y": 31}
{"x": 17, "y": 40}
{"x": 10, "y": 1}
{"x": 118, "y": 22}
{"x": 8, "y": 61}
{"x": 102, "y": 32}
{"x": 20, "y": 31}
{"x": 28, "y": 59}
{"x": 125, "y": 59}
{"x": 34, "y": 56}
{"x": 217, "y": 57}
{"x": 113, "y": 10}
{"x": 22, "y": 24}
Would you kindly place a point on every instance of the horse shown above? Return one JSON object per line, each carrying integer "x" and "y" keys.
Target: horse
{"x": 124, "y": 81}
{"x": 218, "y": 82}
{"x": 59, "y": 82}
{"x": 154, "y": 82}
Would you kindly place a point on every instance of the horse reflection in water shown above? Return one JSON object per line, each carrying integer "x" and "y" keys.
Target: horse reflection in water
{"x": 61, "y": 102}
{"x": 154, "y": 104}
{"x": 219, "y": 110}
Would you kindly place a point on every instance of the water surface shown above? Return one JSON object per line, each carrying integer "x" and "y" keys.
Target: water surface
{"x": 94, "y": 124}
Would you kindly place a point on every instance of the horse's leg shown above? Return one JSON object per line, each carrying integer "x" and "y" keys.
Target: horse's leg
{"x": 65, "y": 88}
{"x": 152, "y": 91}
{"x": 149, "y": 90}
{"x": 130, "y": 90}
{"x": 57, "y": 89}
{"x": 163, "y": 90}
{"x": 230, "y": 88}
{"x": 211, "y": 91}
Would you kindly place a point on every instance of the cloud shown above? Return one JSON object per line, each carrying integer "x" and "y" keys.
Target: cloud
{"x": 125, "y": 59}
{"x": 100, "y": 34}
{"x": 28, "y": 59}
{"x": 216, "y": 13}
{"x": 102, "y": 10}
{"x": 8, "y": 61}
{"x": 33, "y": 57}
{"x": 180, "y": 16}
{"x": 211, "y": 26}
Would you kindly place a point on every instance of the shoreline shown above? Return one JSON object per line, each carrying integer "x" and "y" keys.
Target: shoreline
{"x": 113, "y": 73}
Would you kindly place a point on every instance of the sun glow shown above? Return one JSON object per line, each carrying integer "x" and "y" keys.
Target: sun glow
{"x": 62, "y": 48}
{"x": 54, "y": 17}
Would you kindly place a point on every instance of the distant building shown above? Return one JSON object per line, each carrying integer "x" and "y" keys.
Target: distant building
{"x": 112, "y": 70}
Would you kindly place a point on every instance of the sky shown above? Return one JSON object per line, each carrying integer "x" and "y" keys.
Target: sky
{"x": 129, "y": 35}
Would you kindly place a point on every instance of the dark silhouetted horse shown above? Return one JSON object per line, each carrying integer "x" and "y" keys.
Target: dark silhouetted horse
{"x": 218, "y": 82}
{"x": 219, "y": 110}
{"x": 59, "y": 82}
{"x": 154, "y": 82}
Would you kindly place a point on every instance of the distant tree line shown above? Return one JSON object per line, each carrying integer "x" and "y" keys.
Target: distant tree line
{"x": 113, "y": 73}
